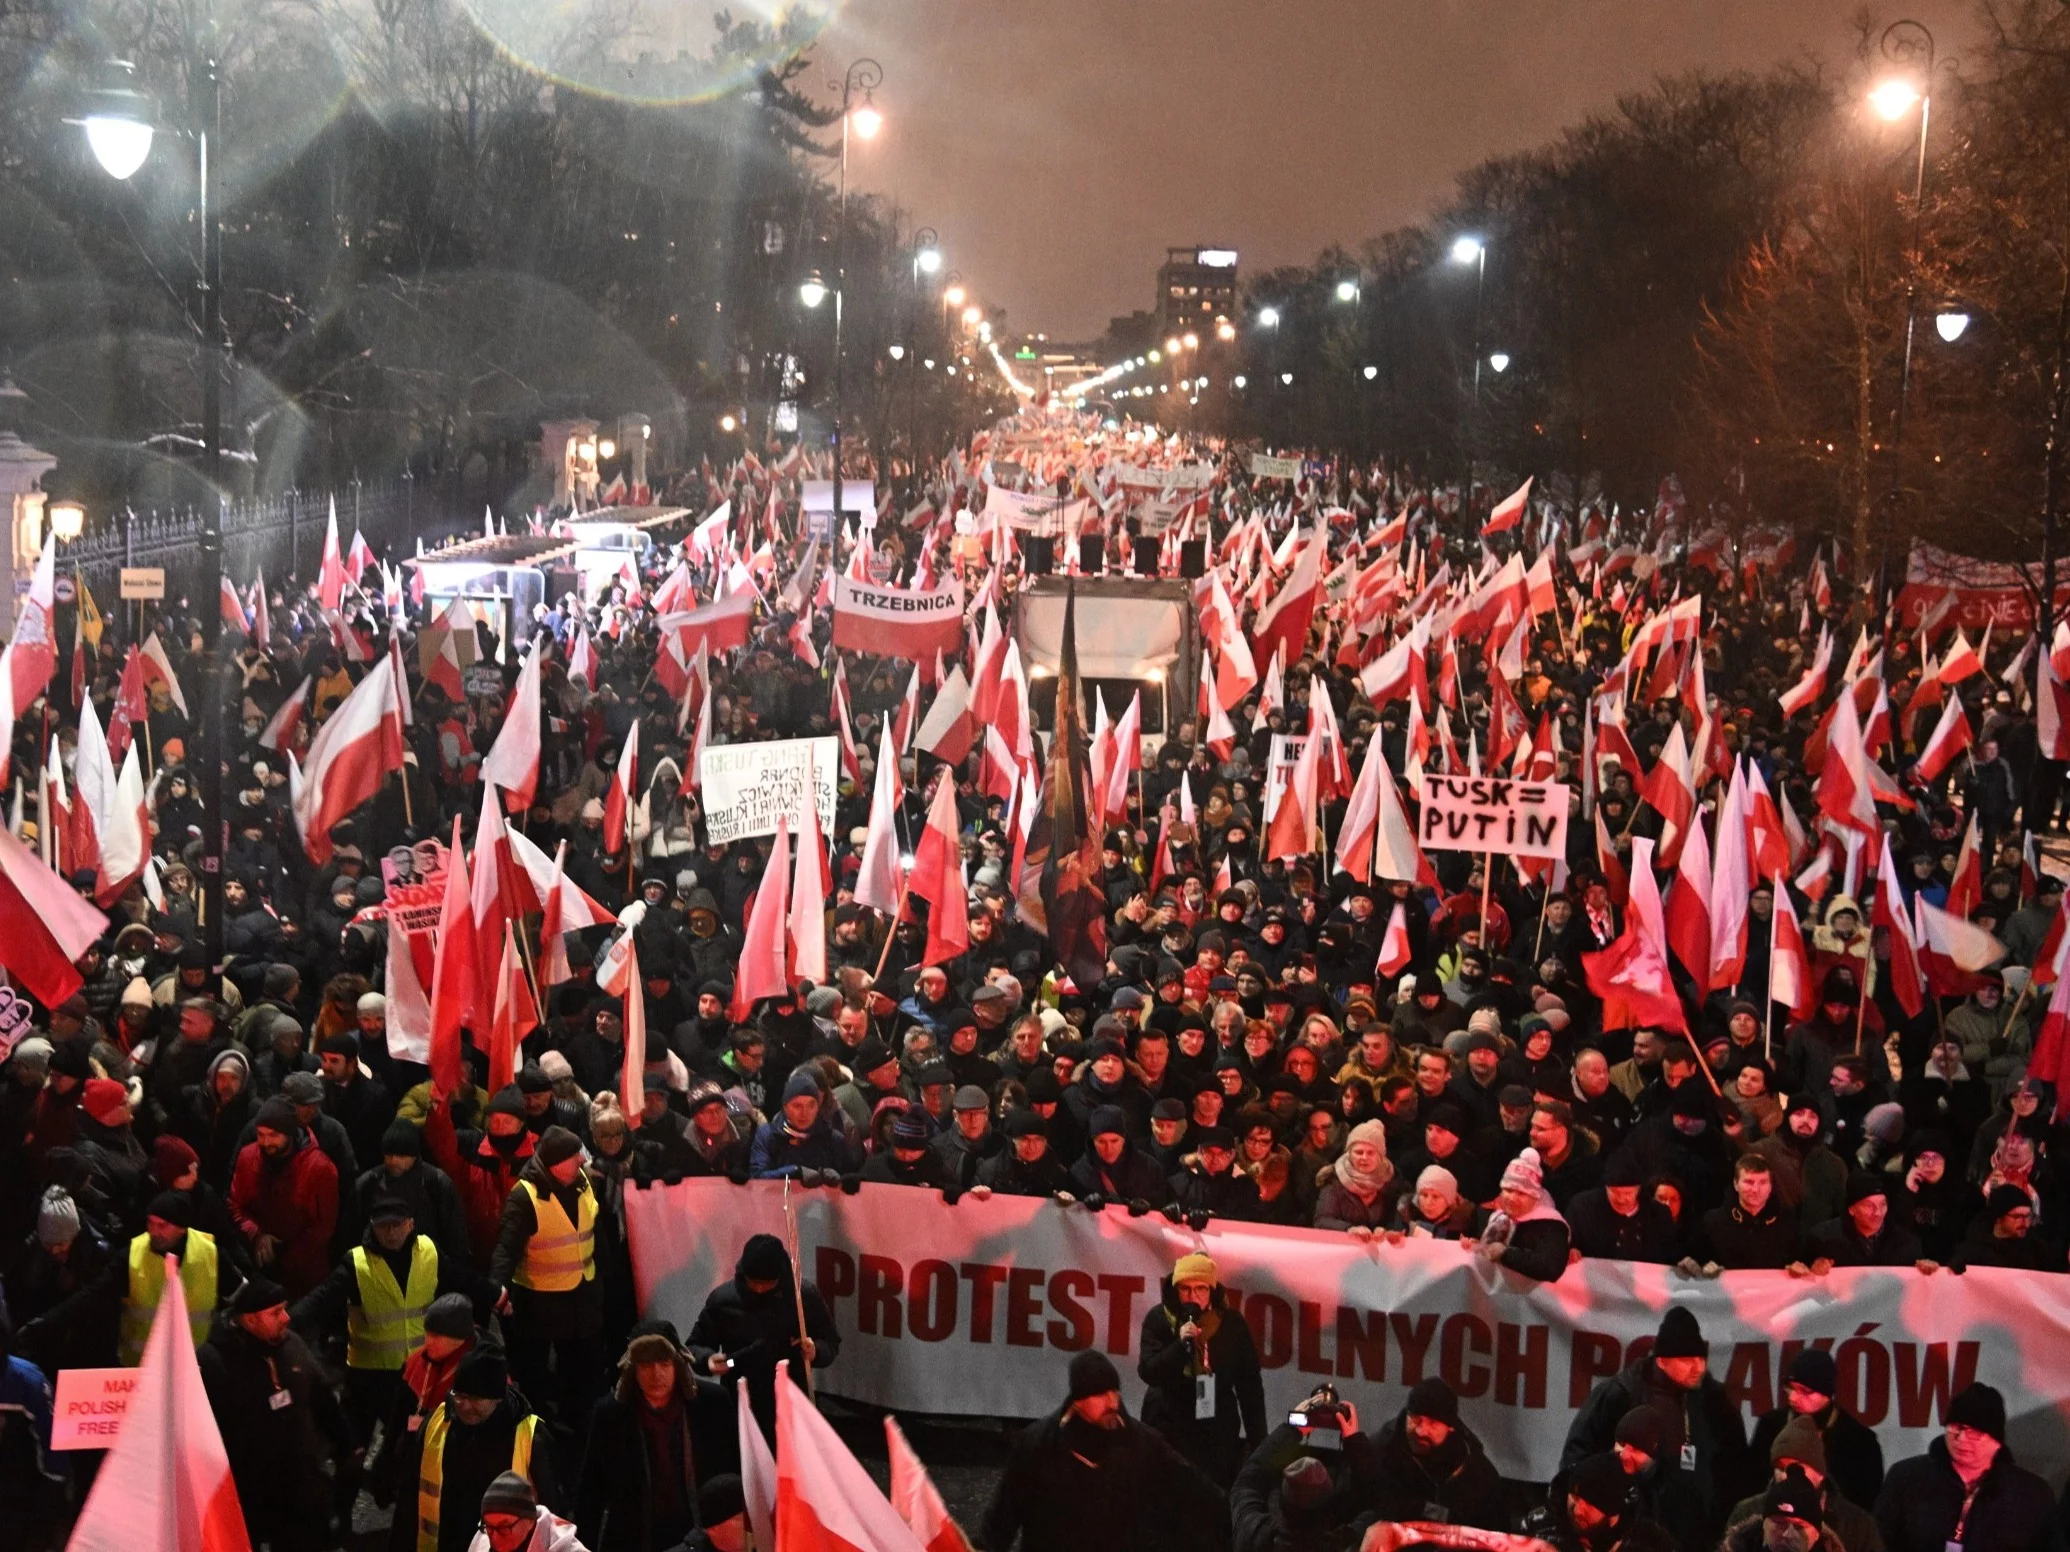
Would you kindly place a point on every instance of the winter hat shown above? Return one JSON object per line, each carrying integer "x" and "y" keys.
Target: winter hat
{"x": 1305, "y": 1485}
{"x": 1523, "y": 1173}
{"x": 106, "y": 1101}
{"x": 507, "y": 1101}
{"x": 1791, "y": 1496}
{"x": 2005, "y": 1199}
{"x": 720, "y": 1499}
{"x": 1093, "y": 1374}
{"x": 1800, "y": 1441}
{"x": 1374, "y": 1132}
{"x": 137, "y": 994}
{"x": 763, "y": 1258}
{"x": 1861, "y": 1185}
{"x": 1196, "y": 1268}
{"x": 1436, "y": 1177}
{"x": 402, "y": 1140}
{"x": 910, "y": 1128}
{"x": 1485, "y": 1021}
{"x": 870, "y": 1055}
{"x": 71, "y": 1059}
{"x": 344, "y": 1042}
{"x": 1680, "y": 1336}
{"x": 605, "y": 1118}
{"x": 1885, "y": 1123}
{"x": 175, "y": 1207}
{"x": 1105, "y": 1119}
{"x": 651, "y": 1347}
{"x": 1024, "y": 1123}
{"x": 1600, "y": 1481}
{"x": 556, "y": 1067}
{"x": 277, "y": 1115}
{"x": 371, "y": 1002}
{"x": 1433, "y": 1398}
{"x": 256, "y": 1294}
{"x": 388, "y": 1208}
{"x": 33, "y": 1054}
{"x": 532, "y": 1079}
{"x": 557, "y": 1145}
{"x": 302, "y": 1088}
{"x": 510, "y": 1494}
{"x": 483, "y": 1373}
{"x": 1816, "y": 1371}
{"x": 57, "y": 1218}
{"x": 1979, "y": 1407}
{"x": 171, "y": 1157}
{"x": 1653, "y": 1431}
{"x": 450, "y": 1315}
{"x": 800, "y": 1085}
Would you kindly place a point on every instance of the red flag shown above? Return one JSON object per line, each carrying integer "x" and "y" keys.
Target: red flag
{"x": 761, "y": 971}
{"x": 1631, "y": 975}
{"x": 2051, "y": 1058}
{"x": 132, "y": 704}
{"x": 44, "y": 925}
{"x": 938, "y": 877}
{"x": 825, "y": 1501}
{"x": 1615, "y": 879}
{"x": 1509, "y": 511}
{"x": 453, "y": 993}
{"x": 914, "y": 1496}
{"x": 348, "y": 761}
{"x": 166, "y": 1484}
{"x": 1846, "y": 793}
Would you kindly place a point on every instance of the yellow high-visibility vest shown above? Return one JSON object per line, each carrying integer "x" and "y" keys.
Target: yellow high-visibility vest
{"x": 560, "y": 1256}
{"x": 431, "y": 1470}
{"x": 386, "y": 1325}
{"x": 147, "y": 1287}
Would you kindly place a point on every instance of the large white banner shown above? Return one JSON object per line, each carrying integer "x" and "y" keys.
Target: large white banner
{"x": 895, "y": 623}
{"x": 1017, "y": 509}
{"x": 746, "y": 786}
{"x": 975, "y": 1309}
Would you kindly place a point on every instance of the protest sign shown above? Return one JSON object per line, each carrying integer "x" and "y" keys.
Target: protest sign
{"x": 1032, "y": 510}
{"x": 976, "y": 1309}
{"x": 895, "y": 623}
{"x": 1264, "y": 468}
{"x": 90, "y": 1407}
{"x": 746, "y": 786}
{"x": 1493, "y": 814}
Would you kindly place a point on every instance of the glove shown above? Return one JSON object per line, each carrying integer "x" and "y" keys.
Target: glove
{"x": 951, "y": 1195}
{"x": 1172, "y": 1213}
{"x": 1137, "y": 1207}
{"x": 851, "y": 1184}
{"x": 738, "y": 1174}
{"x": 1093, "y": 1201}
{"x": 1197, "y": 1219}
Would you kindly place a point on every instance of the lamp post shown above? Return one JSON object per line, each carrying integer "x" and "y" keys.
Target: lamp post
{"x": 1474, "y": 251}
{"x": 119, "y": 125}
{"x": 864, "y": 76}
{"x": 1909, "y": 46}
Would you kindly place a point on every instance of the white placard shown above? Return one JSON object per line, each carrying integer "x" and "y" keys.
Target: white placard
{"x": 90, "y": 1406}
{"x": 1264, "y": 468}
{"x": 1493, "y": 814}
{"x": 746, "y": 786}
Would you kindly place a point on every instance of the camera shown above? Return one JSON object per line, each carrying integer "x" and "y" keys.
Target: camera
{"x": 1320, "y": 1410}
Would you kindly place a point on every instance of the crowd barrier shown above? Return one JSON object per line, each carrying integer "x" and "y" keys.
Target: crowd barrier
{"x": 974, "y": 1309}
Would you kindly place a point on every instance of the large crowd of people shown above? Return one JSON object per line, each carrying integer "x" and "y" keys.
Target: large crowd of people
{"x": 435, "y": 1274}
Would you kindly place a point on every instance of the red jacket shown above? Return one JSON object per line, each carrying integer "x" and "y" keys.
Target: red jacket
{"x": 295, "y": 1199}
{"x": 483, "y": 1176}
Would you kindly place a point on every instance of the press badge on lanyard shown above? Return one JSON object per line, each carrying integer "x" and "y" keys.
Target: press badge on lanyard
{"x": 1203, "y": 1397}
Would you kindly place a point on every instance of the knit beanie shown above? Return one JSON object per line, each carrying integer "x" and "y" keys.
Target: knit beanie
{"x": 1800, "y": 1441}
{"x": 1436, "y": 1177}
{"x": 1523, "y": 1173}
{"x": 106, "y": 1101}
{"x": 1433, "y": 1398}
{"x": 450, "y": 1315}
{"x": 1680, "y": 1336}
{"x": 510, "y": 1494}
{"x": 277, "y": 1115}
{"x": 1196, "y": 1268}
{"x": 557, "y": 1145}
{"x": 57, "y": 1218}
{"x": 171, "y": 1157}
{"x": 1093, "y": 1374}
{"x": 1979, "y": 1407}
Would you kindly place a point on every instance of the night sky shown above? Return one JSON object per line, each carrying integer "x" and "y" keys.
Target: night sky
{"x": 1060, "y": 146}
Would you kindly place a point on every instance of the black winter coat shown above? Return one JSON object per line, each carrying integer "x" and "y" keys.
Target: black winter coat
{"x": 614, "y": 1493}
{"x": 1922, "y": 1499}
{"x": 1710, "y": 1421}
{"x": 1458, "y": 1474}
{"x": 758, "y": 1331}
{"x": 1168, "y": 1367}
{"x": 275, "y": 1452}
{"x": 1142, "y": 1496}
{"x": 1258, "y": 1521}
{"x": 1854, "y": 1458}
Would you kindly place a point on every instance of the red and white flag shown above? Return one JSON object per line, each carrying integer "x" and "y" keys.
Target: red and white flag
{"x": 1282, "y": 625}
{"x": 158, "y": 669}
{"x": 825, "y": 1501}
{"x": 331, "y": 577}
{"x": 1731, "y": 881}
{"x": 1789, "y": 964}
{"x": 582, "y": 658}
{"x": 32, "y": 650}
{"x": 166, "y": 1484}
{"x": 877, "y": 882}
{"x": 1395, "y": 950}
{"x": 1813, "y": 684}
{"x": 515, "y": 1015}
{"x": 1631, "y": 974}
{"x": 455, "y": 971}
{"x": 1951, "y": 735}
{"x": 512, "y": 764}
{"x": 761, "y": 971}
{"x": 349, "y": 759}
{"x": 44, "y": 925}
{"x": 1509, "y": 511}
{"x": 917, "y": 1500}
{"x": 937, "y": 877}
{"x": 1689, "y": 910}
{"x": 1966, "y": 888}
{"x": 279, "y": 732}
{"x": 811, "y": 888}
{"x": 619, "y": 976}
{"x": 1907, "y": 974}
{"x": 618, "y": 796}
{"x": 1952, "y": 951}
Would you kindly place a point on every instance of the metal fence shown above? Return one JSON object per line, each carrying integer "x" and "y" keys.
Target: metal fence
{"x": 281, "y": 535}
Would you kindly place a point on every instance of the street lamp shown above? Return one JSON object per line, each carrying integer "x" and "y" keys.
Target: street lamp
{"x": 863, "y": 78}
{"x": 1499, "y": 361}
{"x": 953, "y": 297}
{"x": 1467, "y": 249}
{"x": 1370, "y": 373}
{"x": 67, "y": 520}
{"x": 607, "y": 448}
{"x": 1269, "y": 316}
{"x": 1909, "y": 46}
{"x": 1347, "y": 290}
{"x": 928, "y": 261}
{"x": 1951, "y": 325}
{"x": 120, "y": 132}
{"x": 896, "y": 352}
{"x": 813, "y": 291}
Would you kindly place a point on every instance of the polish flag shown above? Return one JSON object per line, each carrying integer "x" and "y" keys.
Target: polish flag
{"x": 2051, "y": 709}
{"x": 349, "y": 759}
{"x": 402, "y": 678}
{"x": 618, "y": 797}
{"x": 947, "y": 730}
{"x": 1813, "y": 684}
{"x": 515, "y": 1015}
{"x": 1952, "y": 951}
{"x": 158, "y": 669}
{"x": 844, "y": 728}
{"x": 1668, "y": 790}
{"x": 1128, "y": 757}
{"x": 444, "y": 670}
{"x": 1773, "y": 834}
{"x": 937, "y": 877}
{"x": 44, "y": 925}
{"x": 359, "y": 557}
{"x": 279, "y": 733}
{"x": 618, "y": 975}
{"x": 331, "y": 577}
{"x": 32, "y": 650}
{"x": 456, "y": 969}
{"x": 1907, "y": 975}
{"x": 908, "y": 716}
{"x": 512, "y": 763}
{"x": 2051, "y": 1058}
{"x": 1846, "y": 790}
{"x": 825, "y": 1501}
{"x": 231, "y": 606}
{"x": 1731, "y": 881}
{"x": 1395, "y": 952}
{"x": 409, "y": 1007}
{"x": 1282, "y": 625}
{"x": 1217, "y": 731}
{"x": 1273, "y": 697}
{"x": 1689, "y": 911}
{"x": 914, "y": 1496}
{"x": 1951, "y": 735}
{"x": 1376, "y": 839}
{"x": 1291, "y": 830}
{"x": 1966, "y": 888}
{"x": 811, "y": 887}
{"x": 1610, "y": 865}
{"x": 760, "y": 971}
{"x": 877, "y": 883}
{"x": 1509, "y": 512}
{"x": 1789, "y": 965}
{"x": 111, "y": 806}
{"x": 1400, "y": 671}
{"x": 1960, "y": 661}
{"x": 582, "y": 659}
{"x": 166, "y": 1484}
{"x": 1631, "y": 974}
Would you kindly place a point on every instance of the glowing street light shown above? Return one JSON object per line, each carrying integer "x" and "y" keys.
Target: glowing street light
{"x": 1371, "y": 372}
{"x": 1171, "y": 346}
{"x": 607, "y": 448}
{"x": 954, "y": 296}
{"x": 929, "y": 260}
{"x": 67, "y": 520}
{"x": 867, "y": 121}
{"x": 1468, "y": 250}
{"x": 1225, "y": 331}
{"x": 1240, "y": 381}
{"x": 1347, "y": 290}
{"x": 1191, "y": 342}
{"x": 813, "y": 291}
{"x": 897, "y": 352}
{"x": 1894, "y": 98}
{"x": 1951, "y": 325}
{"x": 971, "y": 315}
{"x": 728, "y": 424}
{"x": 1269, "y": 316}
{"x": 1499, "y": 361}
{"x": 1286, "y": 378}
{"x": 119, "y": 123}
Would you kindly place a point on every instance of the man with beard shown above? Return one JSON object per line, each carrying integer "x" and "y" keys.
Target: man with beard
{"x": 276, "y": 1412}
{"x": 1675, "y": 1377}
{"x": 284, "y": 1199}
{"x": 1090, "y": 1478}
{"x": 1809, "y": 1176}
{"x": 749, "y": 1325}
{"x": 1966, "y": 1489}
{"x": 1432, "y": 1467}
{"x": 1596, "y": 1514}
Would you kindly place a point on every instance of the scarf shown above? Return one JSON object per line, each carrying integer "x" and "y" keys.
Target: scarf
{"x": 1364, "y": 1183}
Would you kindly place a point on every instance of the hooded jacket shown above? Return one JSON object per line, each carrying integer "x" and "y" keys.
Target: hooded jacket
{"x": 294, "y": 1198}
{"x": 758, "y": 1331}
{"x": 614, "y": 1495}
{"x": 1457, "y": 1474}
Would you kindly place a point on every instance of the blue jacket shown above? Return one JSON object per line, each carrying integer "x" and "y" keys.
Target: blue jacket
{"x": 25, "y": 1394}
{"x": 777, "y": 1151}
